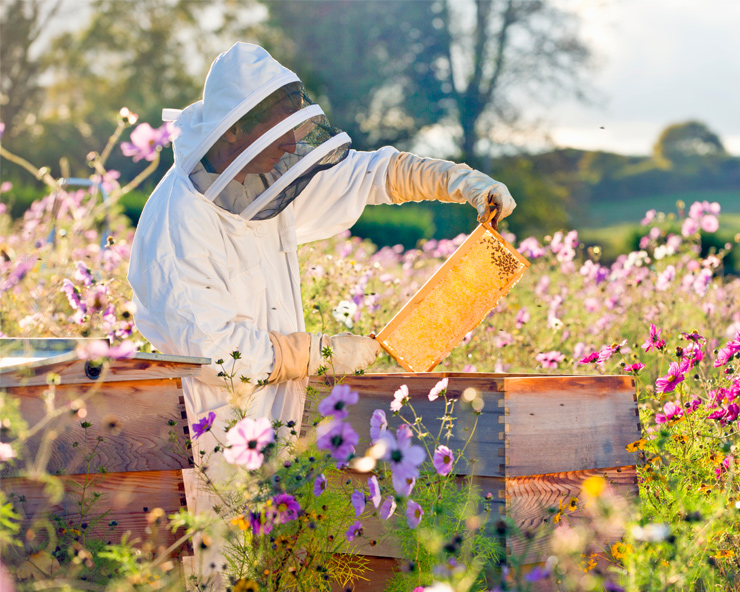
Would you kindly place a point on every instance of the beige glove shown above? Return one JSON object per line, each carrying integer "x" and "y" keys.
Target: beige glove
{"x": 413, "y": 178}
{"x": 298, "y": 355}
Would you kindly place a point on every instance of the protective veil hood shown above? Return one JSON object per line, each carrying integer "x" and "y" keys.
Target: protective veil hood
{"x": 239, "y": 82}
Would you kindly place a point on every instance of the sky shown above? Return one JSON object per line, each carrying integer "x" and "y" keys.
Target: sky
{"x": 660, "y": 62}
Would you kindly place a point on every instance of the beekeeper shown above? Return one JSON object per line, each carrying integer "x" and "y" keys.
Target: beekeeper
{"x": 258, "y": 170}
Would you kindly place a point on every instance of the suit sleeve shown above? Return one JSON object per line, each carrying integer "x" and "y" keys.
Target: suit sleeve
{"x": 334, "y": 199}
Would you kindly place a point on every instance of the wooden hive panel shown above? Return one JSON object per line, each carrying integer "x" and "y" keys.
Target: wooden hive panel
{"x": 127, "y": 497}
{"x": 132, "y": 418}
{"x": 538, "y": 438}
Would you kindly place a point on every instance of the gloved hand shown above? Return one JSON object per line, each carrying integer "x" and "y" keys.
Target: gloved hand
{"x": 491, "y": 198}
{"x": 348, "y": 353}
{"x": 413, "y": 178}
{"x": 298, "y": 355}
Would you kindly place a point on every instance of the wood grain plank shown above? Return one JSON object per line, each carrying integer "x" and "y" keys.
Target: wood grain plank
{"x": 376, "y": 392}
{"x": 71, "y": 370}
{"x": 530, "y": 500}
{"x": 132, "y": 418}
{"x": 556, "y": 424}
{"x": 129, "y": 497}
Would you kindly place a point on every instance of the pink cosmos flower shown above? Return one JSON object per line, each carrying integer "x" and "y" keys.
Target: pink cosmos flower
{"x": 354, "y": 531}
{"x": 95, "y": 350}
{"x": 374, "y": 487}
{"x": 443, "y": 460}
{"x": 247, "y": 440}
{"x": 522, "y": 317}
{"x": 403, "y": 486}
{"x": 358, "y": 502}
{"x": 649, "y": 217}
{"x": 204, "y": 425}
{"x": 608, "y": 351}
{"x": 388, "y": 508}
{"x": 413, "y": 513}
{"x": 438, "y": 389}
{"x": 338, "y": 438}
{"x": 634, "y": 367}
{"x": 339, "y": 399}
{"x": 550, "y": 359}
{"x": 709, "y": 223}
{"x": 590, "y": 358}
{"x": 400, "y": 398}
{"x": 531, "y": 248}
{"x": 671, "y": 410}
{"x": 147, "y": 141}
{"x": 319, "y": 485}
{"x": 403, "y": 456}
{"x": 724, "y": 466}
{"x": 689, "y": 227}
{"x": 284, "y": 508}
{"x": 7, "y": 452}
{"x": 654, "y": 341}
{"x": 668, "y": 383}
{"x": 378, "y": 425}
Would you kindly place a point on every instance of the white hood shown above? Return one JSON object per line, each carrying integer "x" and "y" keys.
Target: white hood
{"x": 239, "y": 80}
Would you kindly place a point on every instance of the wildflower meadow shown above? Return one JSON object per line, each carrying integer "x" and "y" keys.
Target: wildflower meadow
{"x": 665, "y": 314}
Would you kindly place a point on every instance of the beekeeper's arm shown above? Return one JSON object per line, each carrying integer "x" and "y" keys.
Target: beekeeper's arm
{"x": 171, "y": 294}
{"x": 413, "y": 178}
{"x": 335, "y": 198}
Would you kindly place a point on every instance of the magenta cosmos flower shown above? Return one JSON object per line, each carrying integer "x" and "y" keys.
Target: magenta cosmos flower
{"x": 204, "y": 425}
{"x": 668, "y": 383}
{"x": 654, "y": 341}
{"x": 634, "y": 367}
{"x": 284, "y": 508}
{"x": 378, "y": 425}
{"x": 260, "y": 523}
{"x": 671, "y": 410}
{"x": 338, "y": 438}
{"x": 246, "y": 440}
{"x": 413, "y": 514}
{"x": 443, "y": 460}
{"x": 319, "y": 485}
{"x": 354, "y": 531}
{"x": 403, "y": 456}
{"x": 358, "y": 501}
{"x": 374, "y": 487}
{"x": 388, "y": 508}
{"x": 337, "y": 402}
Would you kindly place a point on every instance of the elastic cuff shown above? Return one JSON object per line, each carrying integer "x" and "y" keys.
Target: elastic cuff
{"x": 292, "y": 354}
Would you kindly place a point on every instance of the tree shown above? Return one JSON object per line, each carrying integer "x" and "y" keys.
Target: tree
{"x": 21, "y": 24}
{"x": 681, "y": 143}
{"x": 143, "y": 55}
{"x": 391, "y": 68}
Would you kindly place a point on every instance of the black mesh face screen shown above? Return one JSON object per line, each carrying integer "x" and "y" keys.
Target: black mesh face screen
{"x": 286, "y": 197}
{"x": 283, "y": 159}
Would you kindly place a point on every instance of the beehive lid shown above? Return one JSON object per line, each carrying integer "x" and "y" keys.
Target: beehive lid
{"x": 28, "y": 362}
{"x": 453, "y": 301}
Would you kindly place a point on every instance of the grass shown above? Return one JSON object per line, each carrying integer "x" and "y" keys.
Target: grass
{"x": 607, "y": 214}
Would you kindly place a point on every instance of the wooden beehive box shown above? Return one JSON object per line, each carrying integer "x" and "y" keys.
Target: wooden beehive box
{"x": 538, "y": 438}
{"x": 134, "y": 451}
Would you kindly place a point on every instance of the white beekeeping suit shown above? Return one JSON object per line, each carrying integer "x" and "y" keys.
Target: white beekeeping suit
{"x": 259, "y": 170}
{"x": 213, "y": 264}
{"x": 209, "y": 277}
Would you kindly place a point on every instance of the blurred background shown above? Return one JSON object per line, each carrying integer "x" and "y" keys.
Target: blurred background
{"x": 591, "y": 111}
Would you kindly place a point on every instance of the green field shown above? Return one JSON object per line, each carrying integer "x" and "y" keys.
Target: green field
{"x": 609, "y": 213}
